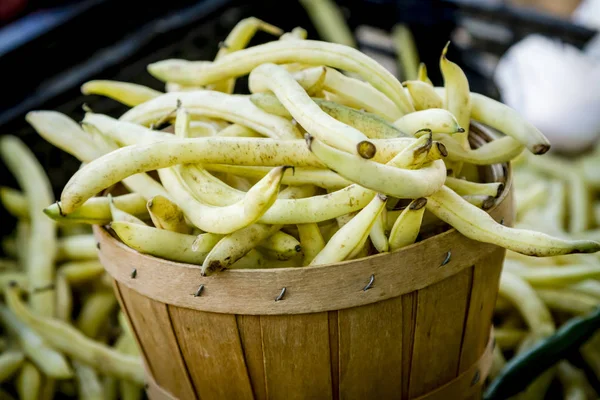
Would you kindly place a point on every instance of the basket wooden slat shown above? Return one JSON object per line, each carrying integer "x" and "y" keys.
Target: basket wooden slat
{"x": 251, "y": 337}
{"x": 154, "y": 332}
{"x": 208, "y": 369}
{"x": 409, "y": 315}
{"x": 486, "y": 275}
{"x": 298, "y": 347}
{"x": 370, "y": 350}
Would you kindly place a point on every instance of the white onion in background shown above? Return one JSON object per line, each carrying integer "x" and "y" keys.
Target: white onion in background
{"x": 556, "y": 87}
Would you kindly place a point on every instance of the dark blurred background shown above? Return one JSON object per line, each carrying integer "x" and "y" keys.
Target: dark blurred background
{"x": 49, "y": 48}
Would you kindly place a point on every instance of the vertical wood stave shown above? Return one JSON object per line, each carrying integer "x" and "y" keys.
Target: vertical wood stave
{"x": 160, "y": 345}
{"x": 370, "y": 348}
{"x": 211, "y": 347}
{"x": 440, "y": 319}
{"x": 486, "y": 278}
{"x": 297, "y": 356}
{"x": 251, "y": 339}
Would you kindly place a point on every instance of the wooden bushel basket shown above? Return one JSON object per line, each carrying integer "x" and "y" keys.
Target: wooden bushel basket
{"x": 411, "y": 324}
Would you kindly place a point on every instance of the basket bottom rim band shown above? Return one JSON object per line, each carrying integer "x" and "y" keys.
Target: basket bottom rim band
{"x": 463, "y": 386}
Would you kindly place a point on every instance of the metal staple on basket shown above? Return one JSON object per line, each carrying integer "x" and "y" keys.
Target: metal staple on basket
{"x": 447, "y": 259}
{"x": 280, "y": 296}
{"x": 199, "y": 291}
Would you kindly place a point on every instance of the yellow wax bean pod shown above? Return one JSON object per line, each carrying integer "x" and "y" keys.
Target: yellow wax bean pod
{"x": 281, "y": 246}
{"x": 435, "y": 119}
{"x": 88, "y": 382}
{"x": 298, "y": 33}
{"x": 67, "y": 135}
{"x": 96, "y": 310}
{"x": 464, "y": 187}
{"x": 237, "y": 130}
{"x": 230, "y": 218}
{"x": 201, "y": 129}
{"x": 415, "y": 154}
{"x": 497, "y": 151}
{"x": 373, "y": 126}
{"x": 457, "y": 95}
{"x": 279, "y": 52}
{"x": 64, "y": 298}
{"x": 377, "y": 233}
{"x": 506, "y": 120}
{"x": 120, "y": 215}
{"x": 351, "y": 235}
{"x": 526, "y": 300}
{"x": 78, "y": 272}
{"x": 590, "y": 287}
{"x": 209, "y": 189}
{"x": 233, "y": 247}
{"x": 51, "y": 362}
{"x": 349, "y": 91}
{"x": 568, "y": 301}
{"x": 23, "y": 234}
{"x": 110, "y": 388}
{"x": 408, "y": 224}
{"x": 130, "y": 94}
{"x": 64, "y": 133}
{"x": 96, "y": 211}
{"x": 233, "y": 108}
{"x": 182, "y": 123}
{"x": 270, "y": 77}
{"x": 294, "y": 177}
{"x": 123, "y": 132}
{"x": 318, "y": 208}
{"x": 113, "y": 167}
{"x": 41, "y": 243}
{"x": 508, "y": 338}
{"x": 10, "y": 362}
{"x": 574, "y": 382}
{"x": 311, "y": 240}
{"x": 76, "y": 345}
{"x": 312, "y": 80}
{"x": 29, "y": 382}
{"x": 406, "y": 51}
{"x": 77, "y": 247}
{"x": 557, "y": 276}
{"x": 422, "y": 74}
{"x": 478, "y": 225}
{"x": 128, "y": 390}
{"x": 386, "y": 179}
{"x": 361, "y": 250}
{"x": 14, "y": 202}
{"x": 591, "y": 355}
{"x": 166, "y": 244}
{"x": 579, "y": 198}
{"x": 252, "y": 260}
{"x": 329, "y": 21}
{"x": 238, "y": 38}
{"x": 479, "y": 201}
{"x": 167, "y": 215}
{"x": 423, "y": 95}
